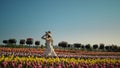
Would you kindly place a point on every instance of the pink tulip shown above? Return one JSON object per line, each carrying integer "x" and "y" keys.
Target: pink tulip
{"x": 111, "y": 66}
{"x": 79, "y": 66}
{"x": 13, "y": 64}
{"x": 34, "y": 66}
{"x": 51, "y": 66}
{"x": 19, "y": 66}
{"x": 39, "y": 66}
{"x": 45, "y": 66}
{"x": 4, "y": 64}
{"x": 71, "y": 65}
{"x": 117, "y": 65}
{"x": 58, "y": 66}
{"x": 28, "y": 64}
{"x": 62, "y": 65}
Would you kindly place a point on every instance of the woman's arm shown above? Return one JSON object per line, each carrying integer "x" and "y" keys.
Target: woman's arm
{"x": 43, "y": 37}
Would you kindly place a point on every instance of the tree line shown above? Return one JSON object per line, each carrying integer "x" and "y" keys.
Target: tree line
{"x": 65, "y": 45}
{"x": 96, "y": 47}
{"x": 22, "y": 42}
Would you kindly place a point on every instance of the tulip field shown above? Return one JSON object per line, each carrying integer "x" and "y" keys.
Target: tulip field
{"x": 33, "y": 58}
{"x": 36, "y": 62}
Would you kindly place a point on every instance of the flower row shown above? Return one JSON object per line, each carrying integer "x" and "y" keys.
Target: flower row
{"x": 36, "y": 62}
{"x": 60, "y": 53}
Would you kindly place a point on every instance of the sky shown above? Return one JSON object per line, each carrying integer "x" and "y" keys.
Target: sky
{"x": 74, "y": 21}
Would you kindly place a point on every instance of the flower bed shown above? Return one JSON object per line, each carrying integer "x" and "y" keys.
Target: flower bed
{"x": 35, "y": 62}
{"x": 32, "y": 58}
{"x": 39, "y": 52}
{"x": 23, "y": 52}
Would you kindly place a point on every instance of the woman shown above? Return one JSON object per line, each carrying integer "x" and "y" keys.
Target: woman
{"x": 49, "y": 42}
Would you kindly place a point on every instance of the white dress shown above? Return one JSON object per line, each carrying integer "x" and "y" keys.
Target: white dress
{"x": 49, "y": 51}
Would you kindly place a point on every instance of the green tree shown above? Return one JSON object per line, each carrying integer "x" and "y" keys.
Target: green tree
{"x": 37, "y": 43}
{"x": 88, "y": 47}
{"x": 107, "y": 48}
{"x": 12, "y": 42}
{"x": 82, "y": 47}
{"x": 77, "y": 45}
{"x": 95, "y": 46}
{"x": 63, "y": 44}
{"x": 5, "y": 42}
{"x": 114, "y": 48}
{"x": 22, "y": 41}
{"x": 29, "y": 41}
{"x": 102, "y": 46}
